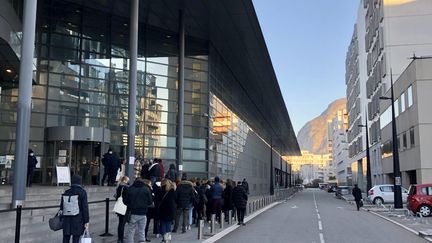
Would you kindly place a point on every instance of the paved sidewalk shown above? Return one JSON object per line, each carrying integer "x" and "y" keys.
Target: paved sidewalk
{"x": 256, "y": 205}
{"x": 402, "y": 217}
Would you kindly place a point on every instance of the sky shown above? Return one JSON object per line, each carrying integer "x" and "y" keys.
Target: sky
{"x": 307, "y": 41}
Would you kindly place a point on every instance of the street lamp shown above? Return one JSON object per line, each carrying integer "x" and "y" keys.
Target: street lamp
{"x": 368, "y": 165}
{"x": 396, "y": 168}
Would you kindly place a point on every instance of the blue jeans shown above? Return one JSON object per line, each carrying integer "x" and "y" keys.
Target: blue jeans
{"x": 165, "y": 227}
{"x": 190, "y": 215}
{"x": 140, "y": 222}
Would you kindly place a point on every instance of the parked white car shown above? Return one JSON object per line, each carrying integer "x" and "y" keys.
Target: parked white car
{"x": 380, "y": 194}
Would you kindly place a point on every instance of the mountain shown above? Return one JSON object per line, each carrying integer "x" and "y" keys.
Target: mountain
{"x": 313, "y": 135}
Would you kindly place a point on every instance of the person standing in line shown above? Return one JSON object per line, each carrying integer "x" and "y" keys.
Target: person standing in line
{"x": 161, "y": 168}
{"x": 227, "y": 198}
{"x": 138, "y": 199}
{"x": 138, "y": 167}
{"x": 105, "y": 165}
{"x": 31, "y": 165}
{"x": 183, "y": 196}
{"x": 166, "y": 209}
{"x": 240, "y": 197}
{"x": 121, "y": 188}
{"x": 151, "y": 210}
{"x": 94, "y": 171}
{"x": 113, "y": 165}
{"x": 357, "y": 193}
{"x": 216, "y": 191}
{"x": 171, "y": 173}
{"x": 154, "y": 171}
{"x": 245, "y": 185}
{"x": 75, "y": 212}
{"x": 145, "y": 169}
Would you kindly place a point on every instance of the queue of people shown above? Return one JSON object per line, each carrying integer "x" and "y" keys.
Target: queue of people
{"x": 172, "y": 202}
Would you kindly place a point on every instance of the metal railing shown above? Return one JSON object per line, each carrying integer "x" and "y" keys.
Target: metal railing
{"x": 19, "y": 210}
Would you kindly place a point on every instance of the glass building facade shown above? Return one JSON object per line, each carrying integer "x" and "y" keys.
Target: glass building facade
{"x": 81, "y": 79}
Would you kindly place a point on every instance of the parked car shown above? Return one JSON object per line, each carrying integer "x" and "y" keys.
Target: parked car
{"x": 420, "y": 199}
{"x": 380, "y": 194}
{"x": 342, "y": 190}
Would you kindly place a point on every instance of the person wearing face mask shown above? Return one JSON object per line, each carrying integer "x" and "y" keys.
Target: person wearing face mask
{"x": 112, "y": 165}
{"x": 31, "y": 165}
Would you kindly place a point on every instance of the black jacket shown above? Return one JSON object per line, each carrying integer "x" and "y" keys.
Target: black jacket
{"x": 227, "y": 196}
{"x": 111, "y": 163}
{"x": 356, "y": 192}
{"x": 167, "y": 206}
{"x": 74, "y": 225}
{"x": 145, "y": 171}
{"x": 138, "y": 198}
{"x": 119, "y": 190}
{"x": 31, "y": 162}
{"x": 171, "y": 174}
{"x": 239, "y": 197}
{"x": 184, "y": 194}
{"x": 155, "y": 170}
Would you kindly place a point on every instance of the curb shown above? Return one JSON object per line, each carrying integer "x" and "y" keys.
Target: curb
{"x": 230, "y": 229}
{"x": 428, "y": 238}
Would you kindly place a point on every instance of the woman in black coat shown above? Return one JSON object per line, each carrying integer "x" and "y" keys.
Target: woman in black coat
{"x": 167, "y": 208}
{"x": 239, "y": 197}
{"x": 120, "y": 191}
{"x": 227, "y": 197}
{"x": 74, "y": 225}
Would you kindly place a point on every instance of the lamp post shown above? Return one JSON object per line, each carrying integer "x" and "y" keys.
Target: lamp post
{"x": 368, "y": 165}
{"x": 396, "y": 168}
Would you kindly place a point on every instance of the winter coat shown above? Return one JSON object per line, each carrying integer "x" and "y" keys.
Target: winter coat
{"x": 74, "y": 225}
{"x": 111, "y": 162}
{"x": 145, "y": 171}
{"x": 167, "y": 205}
{"x": 31, "y": 163}
{"x": 239, "y": 197}
{"x": 162, "y": 169}
{"x": 171, "y": 174}
{"x": 356, "y": 192}
{"x": 184, "y": 194}
{"x": 216, "y": 191}
{"x": 119, "y": 191}
{"x": 202, "y": 197}
{"x": 154, "y": 170}
{"x": 227, "y": 196}
{"x": 245, "y": 186}
{"x": 138, "y": 198}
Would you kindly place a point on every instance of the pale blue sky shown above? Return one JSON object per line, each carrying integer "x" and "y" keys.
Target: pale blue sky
{"x": 307, "y": 41}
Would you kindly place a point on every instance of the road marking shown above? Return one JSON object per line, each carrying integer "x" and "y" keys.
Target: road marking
{"x": 295, "y": 206}
{"x": 319, "y": 225}
{"x": 319, "y": 216}
{"x": 322, "y": 238}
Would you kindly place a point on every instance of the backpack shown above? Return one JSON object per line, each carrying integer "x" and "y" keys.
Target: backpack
{"x": 70, "y": 205}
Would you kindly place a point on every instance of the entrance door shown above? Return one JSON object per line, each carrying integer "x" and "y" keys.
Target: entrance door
{"x": 85, "y": 160}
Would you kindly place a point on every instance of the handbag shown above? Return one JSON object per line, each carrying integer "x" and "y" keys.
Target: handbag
{"x": 85, "y": 238}
{"x": 119, "y": 206}
{"x": 361, "y": 203}
{"x": 56, "y": 222}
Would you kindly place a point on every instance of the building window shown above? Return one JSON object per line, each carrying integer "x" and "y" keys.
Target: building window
{"x": 409, "y": 96}
{"x": 402, "y": 102}
{"x": 396, "y": 107}
{"x": 412, "y": 141}
{"x": 404, "y": 141}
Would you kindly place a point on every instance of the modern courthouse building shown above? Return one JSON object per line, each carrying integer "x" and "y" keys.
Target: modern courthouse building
{"x": 386, "y": 36}
{"x": 201, "y": 64}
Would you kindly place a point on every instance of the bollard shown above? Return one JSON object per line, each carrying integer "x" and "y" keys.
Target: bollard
{"x": 230, "y": 217}
{"x": 212, "y": 225}
{"x": 106, "y": 218}
{"x": 200, "y": 229}
{"x": 18, "y": 223}
{"x": 222, "y": 220}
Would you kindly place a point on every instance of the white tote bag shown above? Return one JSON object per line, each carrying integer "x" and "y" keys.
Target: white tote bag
{"x": 119, "y": 206}
{"x": 85, "y": 238}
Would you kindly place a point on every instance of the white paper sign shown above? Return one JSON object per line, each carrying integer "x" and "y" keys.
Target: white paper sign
{"x": 39, "y": 159}
{"x": 131, "y": 160}
{"x": 9, "y": 161}
{"x": 63, "y": 174}
{"x": 62, "y": 152}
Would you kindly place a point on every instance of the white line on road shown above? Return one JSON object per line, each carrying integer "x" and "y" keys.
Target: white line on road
{"x": 319, "y": 216}
{"x": 319, "y": 225}
{"x": 322, "y": 238}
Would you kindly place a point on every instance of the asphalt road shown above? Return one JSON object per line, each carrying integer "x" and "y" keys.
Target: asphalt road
{"x": 317, "y": 216}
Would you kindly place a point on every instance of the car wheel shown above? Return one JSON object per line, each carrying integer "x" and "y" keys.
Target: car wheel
{"x": 424, "y": 210}
{"x": 378, "y": 201}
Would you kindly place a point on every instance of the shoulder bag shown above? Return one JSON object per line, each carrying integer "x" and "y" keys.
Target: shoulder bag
{"x": 119, "y": 206}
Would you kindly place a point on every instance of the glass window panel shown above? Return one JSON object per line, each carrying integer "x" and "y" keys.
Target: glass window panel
{"x": 164, "y": 60}
{"x": 91, "y": 122}
{"x": 409, "y": 96}
{"x": 66, "y": 67}
{"x": 196, "y": 75}
{"x": 160, "y": 116}
{"x": 37, "y": 133}
{"x": 39, "y": 91}
{"x": 157, "y": 152}
{"x": 36, "y": 119}
{"x": 195, "y": 166}
{"x": 92, "y": 110}
{"x": 162, "y": 105}
{"x": 94, "y": 84}
{"x": 66, "y": 108}
{"x": 397, "y": 107}
{"x": 96, "y": 98}
{"x": 195, "y": 120}
{"x": 68, "y": 41}
{"x": 63, "y": 80}
{"x": 38, "y": 105}
{"x": 120, "y": 63}
{"x": 93, "y": 71}
{"x": 58, "y": 53}
{"x": 8, "y": 116}
{"x": 198, "y": 132}
{"x": 63, "y": 94}
{"x": 159, "y": 141}
{"x": 159, "y": 69}
{"x": 119, "y": 87}
{"x": 402, "y": 102}
{"x": 58, "y": 120}
{"x": 7, "y": 147}
{"x": 7, "y": 132}
{"x": 194, "y": 143}
{"x": 161, "y": 128}
{"x": 412, "y": 138}
{"x": 119, "y": 100}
